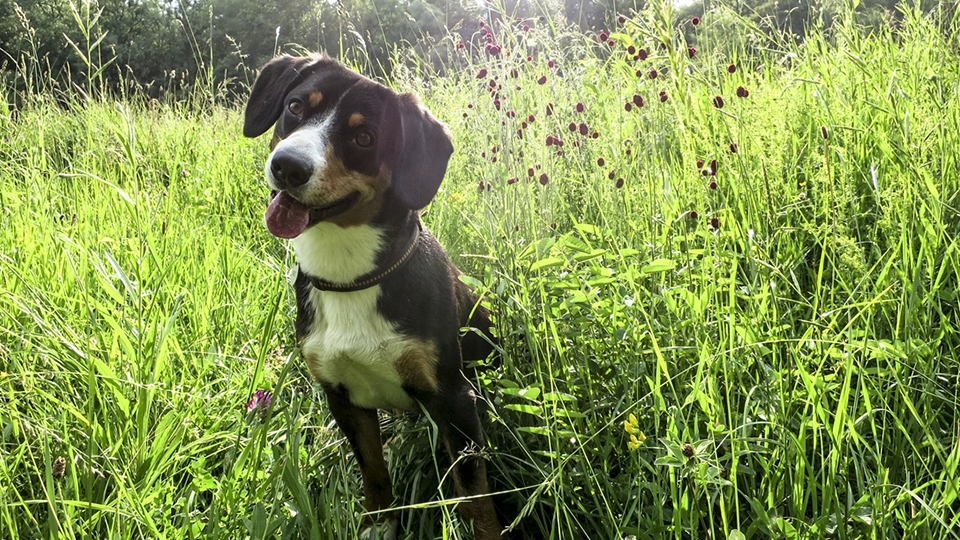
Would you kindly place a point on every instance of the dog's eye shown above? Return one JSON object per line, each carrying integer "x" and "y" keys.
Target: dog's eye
{"x": 295, "y": 107}
{"x": 364, "y": 139}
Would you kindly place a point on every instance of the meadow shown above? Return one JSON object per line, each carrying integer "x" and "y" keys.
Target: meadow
{"x": 724, "y": 278}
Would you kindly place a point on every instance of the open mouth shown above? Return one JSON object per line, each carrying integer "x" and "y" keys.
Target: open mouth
{"x": 286, "y": 217}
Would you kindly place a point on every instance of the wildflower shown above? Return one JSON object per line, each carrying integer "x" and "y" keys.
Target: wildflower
{"x": 572, "y": 126}
{"x": 699, "y": 163}
{"x": 551, "y": 63}
{"x": 512, "y": 180}
{"x": 627, "y": 106}
{"x": 636, "y": 441}
{"x": 59, "y": 467}
{"x": 595, "y": 135}
{"x": 824, "y": 133}
{"x": 631, "y": 50}
{"x": 549, "y": 109}
{"x": 712, "y": 184}
{"x": 692, "y": 51}
{"x": 493, "y": 83}
{"x": 687, "y": 450}
{"x": 482, "y": 74}
{"x": 531, "y": 118}
{"x": 621, "y": 19}
{"x": 584, "y": 128}
{"x": 600, "y": 161}
{"x": 714, "y": 223}
{"x": 619, "y": 183}
{"x": 652, "y": 74}
{"x": 579, "y": 107}
{"x": 642, "y": 54}
{"x": 526, "y": 27}
{"x": 638, "y": 100}
{"x": 544, "y": 179}
{"x": 496, "y": 104}
{"x": 480, "y": 187}
{"x": 460, "y": 45}
{"x": 611, "y": 43}
{"x": 603, "y": 36}
{"x": 733, "y": 148}
{"x": 732, "y": 68}
{"x": 511, "y": 113}
{"x": 713, "y": 166}
{"x": 742, "y": 92}
{"x": 260, "y": 402}
{"x": 494, "y": 50}
{"x": 542, "y": 79}
{"x": 663, "y": 96}
{"x": 611, "y": 175}
{"x": 718, "y": 102}
{"x": 530, "y": 172}
{"x": 695, "y": 21}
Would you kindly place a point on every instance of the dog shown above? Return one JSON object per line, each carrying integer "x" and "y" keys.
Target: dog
{"x": 379, "y": 304}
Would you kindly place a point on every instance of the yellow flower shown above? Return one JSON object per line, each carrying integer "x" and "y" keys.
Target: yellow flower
{"x": 636, "y": 441}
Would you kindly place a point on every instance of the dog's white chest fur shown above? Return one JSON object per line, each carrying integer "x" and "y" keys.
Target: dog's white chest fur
{"x": 350, "y": 342}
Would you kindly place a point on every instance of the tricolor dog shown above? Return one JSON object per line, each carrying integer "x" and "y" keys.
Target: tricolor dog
{"x": 379, "y": 304}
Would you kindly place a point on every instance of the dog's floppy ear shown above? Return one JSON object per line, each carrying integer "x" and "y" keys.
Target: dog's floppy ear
{"x": 273, "y": 83}
{"x": 423, "y": 156}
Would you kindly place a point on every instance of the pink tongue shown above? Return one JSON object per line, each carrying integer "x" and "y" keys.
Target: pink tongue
{"x": 287, "y": 217}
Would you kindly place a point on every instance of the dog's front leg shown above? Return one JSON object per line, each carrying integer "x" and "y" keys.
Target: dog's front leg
{"x": 455, "y": 412}
{"x": 362, "y": 429}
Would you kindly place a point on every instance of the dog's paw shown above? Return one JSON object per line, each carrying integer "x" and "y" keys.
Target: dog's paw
{"x": 385, "y": 530}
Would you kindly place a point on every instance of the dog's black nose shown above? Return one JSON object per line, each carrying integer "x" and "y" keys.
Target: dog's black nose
{"x": 290, "y": 169}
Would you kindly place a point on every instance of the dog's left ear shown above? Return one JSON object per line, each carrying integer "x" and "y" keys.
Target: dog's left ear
{"x": 423, "y": 156}
{"x": 274, "y": 82}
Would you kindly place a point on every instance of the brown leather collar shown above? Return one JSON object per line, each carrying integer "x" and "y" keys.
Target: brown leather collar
{"x": 371, "y": 278}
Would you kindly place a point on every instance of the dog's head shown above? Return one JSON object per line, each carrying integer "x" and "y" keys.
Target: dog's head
{"x": 344, "y": 146}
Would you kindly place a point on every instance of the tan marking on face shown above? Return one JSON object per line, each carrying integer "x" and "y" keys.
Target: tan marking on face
{"x": 339, "y": 181}
{"x": 275, "y": 141}
{"x": 417, "y": 366}
{"x": 355, "y": 120}
{"x": 315, "y": 98}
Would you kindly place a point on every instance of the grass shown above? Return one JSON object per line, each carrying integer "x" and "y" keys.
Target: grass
{"x": 789, "y": 355}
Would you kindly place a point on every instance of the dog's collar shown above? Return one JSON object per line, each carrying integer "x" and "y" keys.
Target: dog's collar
{"x": 370, "y": 278}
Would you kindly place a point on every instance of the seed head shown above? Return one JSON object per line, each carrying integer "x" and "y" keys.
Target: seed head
{"x": 687, "y": 450}
{"x": 824, "y": 133}
{"x": 59, "y": 468}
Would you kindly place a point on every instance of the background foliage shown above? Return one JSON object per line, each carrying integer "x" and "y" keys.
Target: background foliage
{"x": 722, "y": 256}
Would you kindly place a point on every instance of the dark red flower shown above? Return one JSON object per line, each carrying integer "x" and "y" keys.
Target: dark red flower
{"x": 584, "y": 129}
{"x": 663, "y": 96}
{"x": 549, "y": 140}
{"x": 482, "y": 73}
{"x": 692, "y": 214}
{"x": 733, "y": 148}
{"x": 627, "y": 106}
{"x": 638, "y": 100}
{"x": 742, "y": 92}
{"x": 551, "y": 63}
{"x": 652, "y": 74}
{"x": 549, "y": 109}
{"x": 695, "y": 21}
{"x": 544, "y": 179}
{"x": 621, "y": 19}
{"x": 595, "y": 135}
{"x": 714, "y": 223}
{"x": 642, "y": 54}
{"x": 482, "y": 24}
{"x": 494, "y": 50}
{"x": 619, "y": 183}
{"x": 603, "y": 36}
{"x": 718, "y": 102}
{"x": 631, "y": 50}
{"x": 579, "y": 107}
{"x": 514, "y": 73}
{"x": 612, "y": 174}
{"x": 493, "y": 83}
{"x": 531, "y": 118}
{"x": 713, "y": 166}
{"x": 496, "y": 104}
{"x": 699, "y": 163}
{"x": 526, "y": 27}
{"x": 460, "y": 45}
{"x": 542, "y": 79}
{"x": 600, "y": 161}
{"x": 511, "y": 113}
{"x": 512, "y": 180}
{"x": 732, "y": 68}
{"x": 572, "y": 126}
{"x": 692, "y": 51}
{"x": 530, "y": 172}
{"x": 712, "y": 184}
{"x": 611, "y": 43}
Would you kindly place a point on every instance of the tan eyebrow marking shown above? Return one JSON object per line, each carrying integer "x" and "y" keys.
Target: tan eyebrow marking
{"x": 355, "y": 120}
{"x": 315, "y": 98}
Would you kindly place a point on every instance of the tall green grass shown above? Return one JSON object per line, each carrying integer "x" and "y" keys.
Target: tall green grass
{"x": 789, "y": 354}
